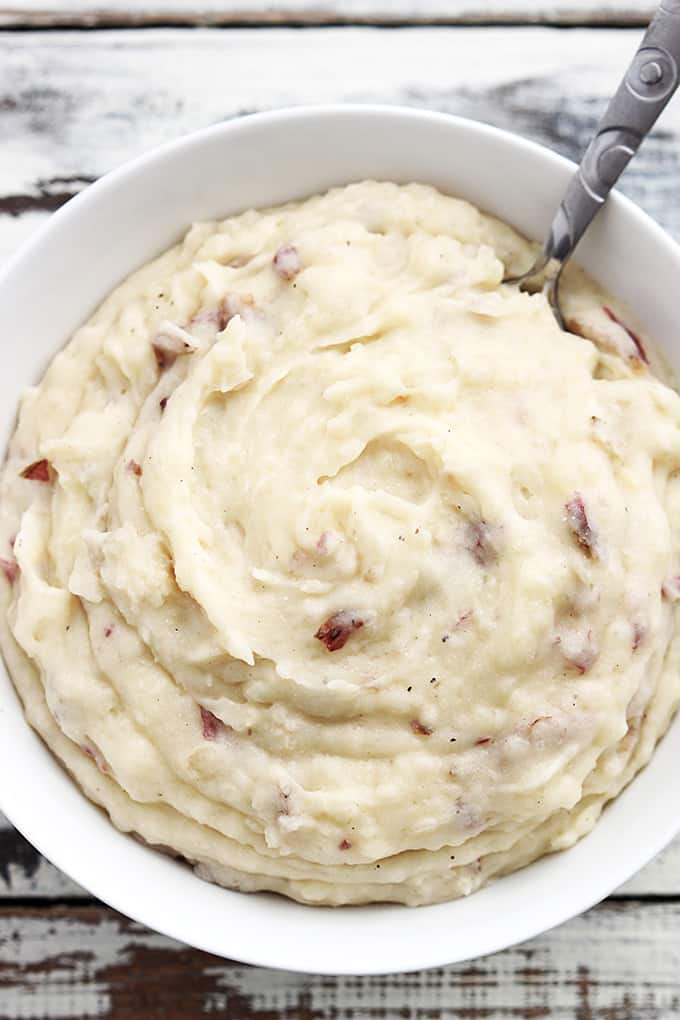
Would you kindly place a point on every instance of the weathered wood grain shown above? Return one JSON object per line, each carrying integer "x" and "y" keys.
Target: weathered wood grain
{"x": 314, "y": 12}
{"x": 75, "y": 104}
{"x": 661, "y": 877}
{"x": 25, "y": 874}
{"x": 619, "y": 962}
{"x": 62, "y": 126}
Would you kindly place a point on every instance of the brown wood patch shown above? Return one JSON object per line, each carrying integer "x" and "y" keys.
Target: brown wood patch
{"x": 619, "y": 962}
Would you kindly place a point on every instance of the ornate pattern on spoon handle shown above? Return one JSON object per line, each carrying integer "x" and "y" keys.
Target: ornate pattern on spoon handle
{"x": 647, "y": 86}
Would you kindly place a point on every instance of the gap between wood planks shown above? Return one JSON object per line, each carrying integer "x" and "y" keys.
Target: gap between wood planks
{"x": 9, "y": 903}
{"x": 142, "y": 24}
{"x": 148, "y": 26}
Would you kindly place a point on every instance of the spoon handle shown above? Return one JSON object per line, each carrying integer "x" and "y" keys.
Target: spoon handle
{"x": 647, "y": 86}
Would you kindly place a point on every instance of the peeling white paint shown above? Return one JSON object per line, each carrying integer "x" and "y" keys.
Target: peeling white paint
{"x": 46, "y": 881}
{"x": 90, "y": 947}
{"x": 66, "y": 1002}
{"x": 154, "y": 85}
{"x": 51, "y": 969}
{"x": 614, "y": 961}
{"x": 661, "y": 877}
{"x": 587, "y": 964}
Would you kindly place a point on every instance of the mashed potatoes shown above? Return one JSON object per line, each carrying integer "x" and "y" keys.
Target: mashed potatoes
{"x": 332, "y": 566}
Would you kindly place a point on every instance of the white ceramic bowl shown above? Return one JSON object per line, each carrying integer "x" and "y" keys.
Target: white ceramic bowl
{"x": 54, "y": 283}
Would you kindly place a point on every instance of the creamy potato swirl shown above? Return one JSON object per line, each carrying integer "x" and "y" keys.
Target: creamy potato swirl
{"x": 333, "y": 566}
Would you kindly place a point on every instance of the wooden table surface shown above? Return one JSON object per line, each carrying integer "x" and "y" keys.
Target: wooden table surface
{"x": 85, "y": 85}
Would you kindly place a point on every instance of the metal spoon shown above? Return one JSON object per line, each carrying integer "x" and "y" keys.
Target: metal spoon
{"x": 647, "y": 86}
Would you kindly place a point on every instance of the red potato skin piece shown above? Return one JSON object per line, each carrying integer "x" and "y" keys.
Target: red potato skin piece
{"x": 225, "y": 313}
{"x": 164, "y": 358}
{"x": 583, "y": 661}
{"x": 134, "y": 468}
{"x": 344, "y": 844}
{"x": 211, "y": 726}
{"x": 419, "y": 729}
{"x": 579, "y": 525}
{"x": 322, "y": 543}
{"x": 286, "y": 262}
{"x": 639, "y": 633}
{"x": 229, "y": 306}
{"x": 337, "y": 629}
{"x": 39, "y": 471}
{"x": 221, "y": 315}
{"x": 10, "y": 569}
{"x": 670, "y": 589}
{"x": 93, "y": 752}
{"x": 642, "y": 353}
{"x": 575, "y": 326}
{"x": 480, "y": 543}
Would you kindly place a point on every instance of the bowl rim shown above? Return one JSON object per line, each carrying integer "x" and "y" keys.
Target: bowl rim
{"x": 17, "y": 807}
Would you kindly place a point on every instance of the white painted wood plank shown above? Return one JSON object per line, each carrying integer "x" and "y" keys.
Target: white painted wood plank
{"x": 661, "y": 877}
{"x": 25, "y": 874}
{"x": 60, "y": 121}
{"x": 101, "y": 12}
{"x": 619, "y": 962}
